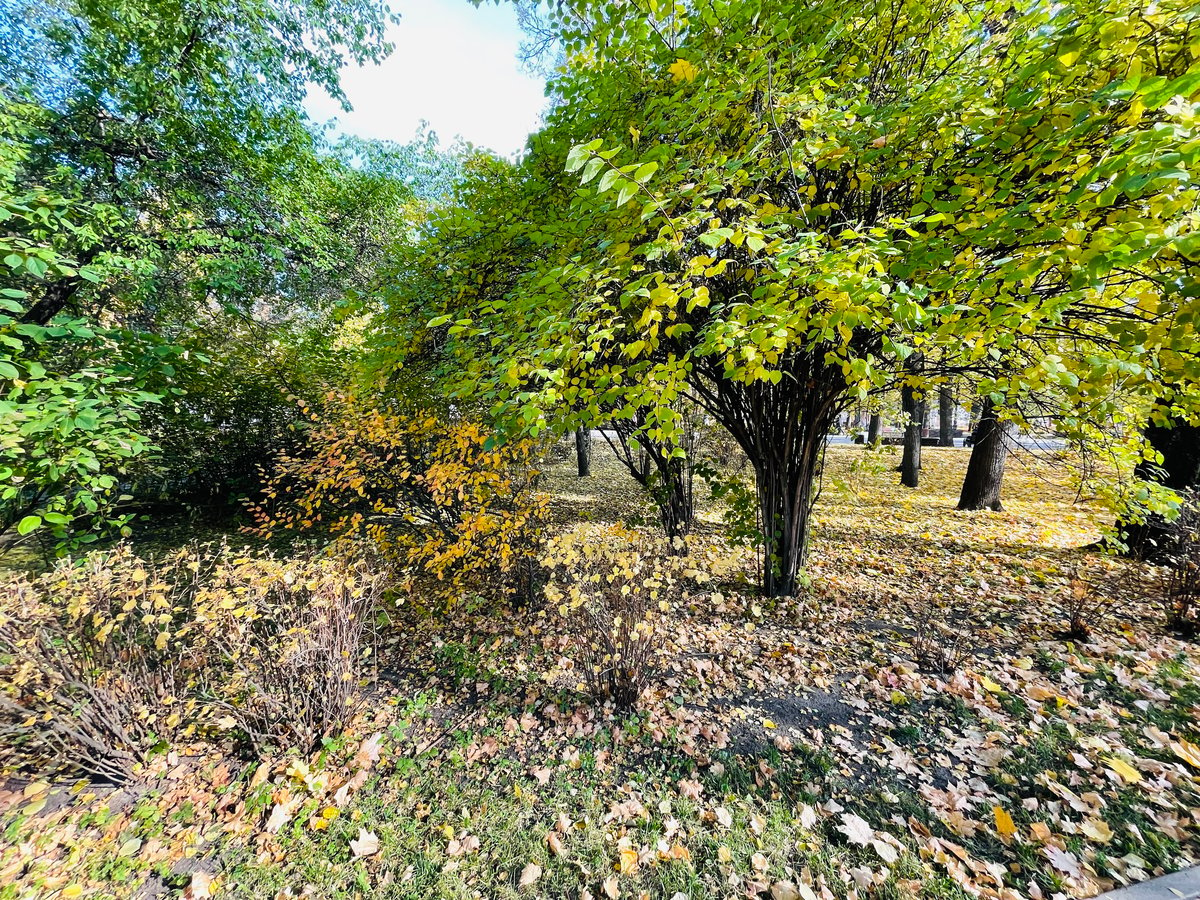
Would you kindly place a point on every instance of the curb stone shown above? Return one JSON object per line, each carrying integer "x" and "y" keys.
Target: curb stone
{"x": 1183, "y": 885}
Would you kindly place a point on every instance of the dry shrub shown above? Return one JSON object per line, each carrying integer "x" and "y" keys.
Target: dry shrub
{"x": 1181, "y": 574}
{"x": 294, "y": 635}
{"x": 107, "y": 661}
{"x": 610, "y": 583}
{"x": 942, "y": 640}
{"x": 96, "y": 661}
{"x": 452, "y": 509}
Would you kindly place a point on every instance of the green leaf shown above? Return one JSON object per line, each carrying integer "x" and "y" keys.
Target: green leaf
{"x": 28, "y": 524}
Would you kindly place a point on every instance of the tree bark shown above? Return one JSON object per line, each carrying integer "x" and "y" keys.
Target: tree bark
{"x": 985, "y": 470}
{"x": 667, "y": 479}
{"x": 59, "y": 293}
{"x": 914, "y": 412}
{"x": 583, "y": 451}
{"x": 782, "y": 429}
{"x": 945, "y": 417}
{"x": 875, "y": 430}
{"x": 1179, "y": 444}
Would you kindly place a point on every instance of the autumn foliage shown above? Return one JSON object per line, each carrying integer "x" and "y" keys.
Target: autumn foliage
{"x": 106, "y": 662}
{"x": 451, "y": 507}
{"x": 612, "y": 584}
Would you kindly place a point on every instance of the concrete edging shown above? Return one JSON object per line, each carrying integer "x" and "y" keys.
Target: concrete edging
{"x": 1182, "y": 885}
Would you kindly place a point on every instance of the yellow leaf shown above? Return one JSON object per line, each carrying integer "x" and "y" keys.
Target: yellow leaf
{"x": 1004, "y": 823}
{"x": 1187, "y": 751}
{"x": 724, "y": 855}
{"x": 73, "y": 890}
{"x": 1128, "y": 773}
{"x": 767, "y": 723}
{"x": 682, "y": 70}
{"x": 628, "y": 863}
{"x": 989, "y": 685}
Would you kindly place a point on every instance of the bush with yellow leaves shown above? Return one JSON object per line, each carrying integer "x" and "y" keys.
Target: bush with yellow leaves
{"x": 611, "y": 584}
{"x": 293, "y": 636}
{"x": 451, "y": 508}
{"x": 106, "y": 661}
{"x": 96, "y": 661}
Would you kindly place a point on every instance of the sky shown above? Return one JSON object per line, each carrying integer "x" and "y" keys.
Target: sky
{"x": 453, "y": 66}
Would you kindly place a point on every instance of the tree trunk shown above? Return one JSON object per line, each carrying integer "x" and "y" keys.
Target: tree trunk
{"x": 672, "y": 492}
{"x": 1179, "y": 444}
{"x": 875, "y": 430}
{"x": 914, "y": 412}
{"x": 583, "y": 451}
{"x": 782, "y": 429}
{"x": 667, "y": 479}
{"x": 945, "y": 417}
{"x": 985, "y": 470}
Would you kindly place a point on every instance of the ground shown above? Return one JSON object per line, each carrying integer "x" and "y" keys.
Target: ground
{"x": 916, "y": 724}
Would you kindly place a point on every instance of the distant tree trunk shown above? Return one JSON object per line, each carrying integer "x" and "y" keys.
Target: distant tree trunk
{"x": 875, "y": 429}
{"x": 914, "y": 412}
{"x": 60, "y": 293}
{"x": 985, "y": 471}
{"x": 667, "y": 479}
{"x": 945, "y": 416}
{"x": 583, "y": 451}
{"x": 1179, "y": 444}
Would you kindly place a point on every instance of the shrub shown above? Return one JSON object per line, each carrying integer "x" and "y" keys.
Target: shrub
{"x": 1181, "y": 575}
{"x": 107, "y": 661}
{"x": 942, "y": 640}
{"x": 452, "y": 510}
{"x": 292, "y": 635}
{"x": 95, "y": 661}
{"x": 609, "y": 583}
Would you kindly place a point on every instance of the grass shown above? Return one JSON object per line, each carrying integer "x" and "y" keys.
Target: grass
{"x": 766, "y": 727}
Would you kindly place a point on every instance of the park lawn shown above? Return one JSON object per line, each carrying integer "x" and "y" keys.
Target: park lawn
{"x": 806, "y": 748}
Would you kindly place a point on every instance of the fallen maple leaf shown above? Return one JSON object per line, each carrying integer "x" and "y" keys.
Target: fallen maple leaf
{"x": 723, "y": 817}
{"x": 529, "y": 876}
{"x": 856, "y": 829}
{"x": 556, "y": 844}
{"x": 612, "y": 887}
{"x": 366, "y": 844}
{"x": 627, "y": 862}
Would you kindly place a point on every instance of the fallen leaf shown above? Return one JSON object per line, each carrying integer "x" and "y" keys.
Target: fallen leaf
{"x": 366, "y": 844}
{"x": 612, "y": 887}
{"x": 1005, "y": 826}
{"x": 529, "y": 875}
{"x": 1128, "y": 773}
{"x": 856, "y": 829}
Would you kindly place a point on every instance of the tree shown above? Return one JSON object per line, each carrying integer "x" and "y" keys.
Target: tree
{"x": 945, "y": 416}
{"x": 766, "y": 232}
{"x": 205, "y": 213}
{"x": 913, "y": 402}
{"x": 583, "y": 451}
{"x": 985, "y": 469}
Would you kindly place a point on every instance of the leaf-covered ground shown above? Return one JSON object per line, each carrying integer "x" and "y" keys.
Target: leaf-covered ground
{"x": 786, "y": 750}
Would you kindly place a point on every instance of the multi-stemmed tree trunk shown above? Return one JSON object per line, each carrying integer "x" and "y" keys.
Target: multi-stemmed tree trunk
{"x": 583, "y": 451}
{"x": 914, "y": 411}
{"x": 782, "y": 429}
{"x": 945, "y": 416}
{"x": 985, "y": 470}
{"x": 875, "y": 429}
{"x": 1179, "y": 445}
{"x": 666, "y": 477}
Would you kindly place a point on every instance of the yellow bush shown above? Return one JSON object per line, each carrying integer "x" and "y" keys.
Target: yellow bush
{"x": 450, "y": 509}
{"x": 610, "y": 584}
{"x": 106, "y": 661}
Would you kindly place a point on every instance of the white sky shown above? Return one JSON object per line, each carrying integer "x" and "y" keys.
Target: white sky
{"x": 454, "y": 66}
